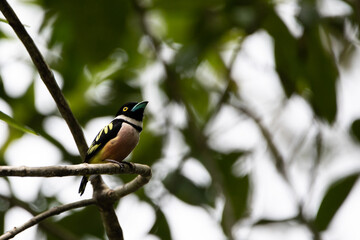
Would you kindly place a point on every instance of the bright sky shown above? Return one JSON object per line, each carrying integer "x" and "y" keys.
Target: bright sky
{"x": 254, "y": 69}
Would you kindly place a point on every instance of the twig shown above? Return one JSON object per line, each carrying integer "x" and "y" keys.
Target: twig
{"x": 51, "y": 227}
{"x": 46, "y": 75}
{"x": 131, "y": 186}
{"x": 279, "y": 160}
{"x": 231, "y": 85}
{"x": 49, "y": 213}
{"x": 280, "y": 166}
{"x": 74, "y": 170}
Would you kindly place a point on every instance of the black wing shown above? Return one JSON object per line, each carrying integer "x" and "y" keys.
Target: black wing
{"x": 106, "y": 134}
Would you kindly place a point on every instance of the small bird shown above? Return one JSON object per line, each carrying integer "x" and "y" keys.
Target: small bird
{"x": 117, "y": 139}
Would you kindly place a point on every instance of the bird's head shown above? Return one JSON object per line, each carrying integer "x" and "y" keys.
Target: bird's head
{"x": 133, "y": 110}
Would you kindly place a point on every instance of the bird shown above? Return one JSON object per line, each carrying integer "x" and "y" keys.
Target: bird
{"x": 118, "y": 139}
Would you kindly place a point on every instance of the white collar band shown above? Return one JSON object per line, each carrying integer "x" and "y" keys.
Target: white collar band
{"x": 130, "y": 120}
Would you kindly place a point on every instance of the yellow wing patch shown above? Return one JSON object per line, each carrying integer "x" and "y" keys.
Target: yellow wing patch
{"x": 105, "y": 130}
{"x": 93, "y": 148}
{"x": 99, "y": 135}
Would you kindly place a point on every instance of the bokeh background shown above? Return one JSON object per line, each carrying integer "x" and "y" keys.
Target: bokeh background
{"x": 252, "y": 128}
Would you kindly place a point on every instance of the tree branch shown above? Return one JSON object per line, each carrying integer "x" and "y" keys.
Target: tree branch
{"x": 279, "y": 160}
{"x": 46, "y": 75}
{"x": 281, "y": 167}
{"x": 105, "y": 204}
{"x": 51, "y": 227}
{"x": 111, "y": 223}
{"x": 103, "y": 197}
{"x": 42, "y": 216}
{"x": 74, "y": 170}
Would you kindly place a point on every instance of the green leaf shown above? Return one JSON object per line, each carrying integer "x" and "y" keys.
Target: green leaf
{"x": 305, "y": 66}
{"x": 197, "y": 96}
{"x": 13, "y": 123}
{"x": 161, "y": 227}
{"x": 333, "y": 199}
{"x": 85, "y": 222}
{"x": 355, "y": 129}
{"x": 2, "y": 221}
{"x": 187, "y": 191}
{"x": 235, "y": 188}
{"x": 149, "y": 149}
{"x": 4, "y": 206}
{"x": 286, "y": 58}
{"x": 4, "y": 20}
{"x": 322, "y": 73}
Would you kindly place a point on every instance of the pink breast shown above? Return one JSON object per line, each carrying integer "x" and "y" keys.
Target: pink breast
{"x": 123, "y": 144}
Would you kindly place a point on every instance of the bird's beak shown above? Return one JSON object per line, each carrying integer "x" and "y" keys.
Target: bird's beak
{"x": 140, "y": 105}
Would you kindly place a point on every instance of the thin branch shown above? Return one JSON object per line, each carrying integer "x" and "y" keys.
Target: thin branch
{"x": 130, "y": 187}
{"x": 74, "y": 170}
{"x": 46, "y": 75}
{"x": 51, "y": 227}
{"x": 280, "y": 166}
{"x": 267, "y": 221}
{"x": 231, "y": 85}
{"x": 279, "y": 160}
{"x": 42, "y": 216}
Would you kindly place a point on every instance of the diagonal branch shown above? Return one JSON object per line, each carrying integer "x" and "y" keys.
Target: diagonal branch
{"x": 42, "y": 216}
{"x": 54, "y": 229}
{"x": 279, "y": 159}
{"x": 46, "y": 75}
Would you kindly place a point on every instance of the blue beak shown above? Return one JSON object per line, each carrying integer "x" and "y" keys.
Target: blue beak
{"x": 140, "y": 105}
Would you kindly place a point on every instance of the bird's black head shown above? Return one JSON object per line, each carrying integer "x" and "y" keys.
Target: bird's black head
{"x": 133, "y": 110}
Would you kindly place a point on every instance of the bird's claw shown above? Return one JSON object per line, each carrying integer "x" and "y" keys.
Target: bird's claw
{"x": 131, "y": 165}
{"x": 121, "y": 164}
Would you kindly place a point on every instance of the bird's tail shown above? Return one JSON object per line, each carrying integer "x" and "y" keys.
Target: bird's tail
{"x": 83, "y": 183}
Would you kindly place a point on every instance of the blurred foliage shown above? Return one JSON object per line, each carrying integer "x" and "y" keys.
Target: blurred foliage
{"x": 12, "y": 122}
{"x": 105, "y": 47}
{"x": 355, "y": 129}
{"x": 161, "y": 226}
{"x": 334, "y": 197}
{"x": 84, "y": 222}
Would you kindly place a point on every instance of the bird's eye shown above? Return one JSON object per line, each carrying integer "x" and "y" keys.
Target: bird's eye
{"x": 125, "y": 109}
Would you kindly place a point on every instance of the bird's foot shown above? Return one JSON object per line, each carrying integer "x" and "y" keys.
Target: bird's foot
{"x": 121, "y": 164}
{"x": 131, "y": 165}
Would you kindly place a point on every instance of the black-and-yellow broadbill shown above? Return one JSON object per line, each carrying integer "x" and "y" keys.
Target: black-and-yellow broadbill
{"x": 117, "y": 139}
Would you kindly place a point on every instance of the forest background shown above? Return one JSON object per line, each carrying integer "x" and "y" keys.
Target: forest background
{"x": 252, "y": 129}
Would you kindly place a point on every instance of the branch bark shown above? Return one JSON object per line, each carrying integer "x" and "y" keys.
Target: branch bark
{"x": 42, "y": 216}
{"x": 54, "y": 229}
{"x": 46, "y": 75}
{"x": 104, "y": 198}
{"x": 105, "y": 204}
{"x": 74, "y": 170}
